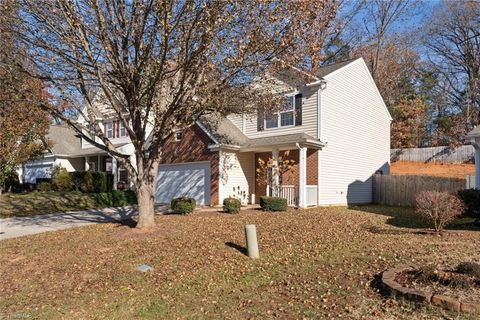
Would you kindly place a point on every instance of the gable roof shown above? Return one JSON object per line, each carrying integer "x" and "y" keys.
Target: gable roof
{"x": 67, "y": 142}
{"x": 330, "y": 68}
{"x": 223, "y": 132}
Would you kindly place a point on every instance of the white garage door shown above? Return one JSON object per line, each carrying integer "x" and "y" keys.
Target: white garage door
{"x": 37, "y": 171}
{"x": 184, "y": 180}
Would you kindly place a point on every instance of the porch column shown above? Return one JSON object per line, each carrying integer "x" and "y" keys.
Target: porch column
{"x": 115, "y": 173}
{"x": 319, "y": 193}
{"x": 477, "y": 166}
{"x": 276, "y": 180}
{"x": 302, "y": 178}
{"x": 98, "y": 163}
{"x": 87, "y": 166}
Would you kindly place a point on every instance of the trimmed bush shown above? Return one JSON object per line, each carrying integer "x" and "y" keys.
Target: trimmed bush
{"x": 273, "y": 204}
{"x": 62, "y": 180}
{"x": 471, "y": 199}
{"x": 44, "y": 187}
{"x": 438, "y": 208}
{"x": 231, "y": 205}
{"x": 183, "y": 205}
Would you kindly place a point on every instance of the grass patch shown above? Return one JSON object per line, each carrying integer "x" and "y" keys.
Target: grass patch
{"x": 315, "y": 263}
{"x": 29, "y": 204}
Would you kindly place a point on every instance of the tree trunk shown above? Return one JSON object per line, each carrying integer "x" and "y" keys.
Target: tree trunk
{"x": 146, "y": 202}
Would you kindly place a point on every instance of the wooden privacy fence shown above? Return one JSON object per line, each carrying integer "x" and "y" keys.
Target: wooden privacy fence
{"x": 446, "y": 154}
{"x": 402, "y": 190}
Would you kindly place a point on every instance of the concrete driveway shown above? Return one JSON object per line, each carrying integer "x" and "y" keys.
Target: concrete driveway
{"x": 23, "y": 226}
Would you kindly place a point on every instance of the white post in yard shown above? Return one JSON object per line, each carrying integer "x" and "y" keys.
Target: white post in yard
{"x": 302, "y": 183}
{"x": 252, "y": 244}
{"x": 115, "y": 173}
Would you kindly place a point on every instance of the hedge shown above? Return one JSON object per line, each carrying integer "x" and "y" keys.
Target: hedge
{"x": 89, "y": 181}
{"x": 273, "y": 204}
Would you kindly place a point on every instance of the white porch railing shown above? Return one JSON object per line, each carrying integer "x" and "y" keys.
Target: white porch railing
{"x": 290, "y": 192}
{"x": 471, "y": 182}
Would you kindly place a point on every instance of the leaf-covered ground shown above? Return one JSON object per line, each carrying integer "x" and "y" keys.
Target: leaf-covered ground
{"x": 316, "y": 263}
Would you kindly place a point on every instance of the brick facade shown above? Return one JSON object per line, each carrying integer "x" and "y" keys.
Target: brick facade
{"x": 194, "y": 147}
{"x": 292, "y": 176}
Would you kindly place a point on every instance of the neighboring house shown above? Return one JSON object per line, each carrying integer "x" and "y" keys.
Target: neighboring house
{"x": 336, "y": 128}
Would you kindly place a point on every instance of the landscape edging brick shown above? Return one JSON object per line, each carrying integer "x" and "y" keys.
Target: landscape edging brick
{"x": 446, "y": 302}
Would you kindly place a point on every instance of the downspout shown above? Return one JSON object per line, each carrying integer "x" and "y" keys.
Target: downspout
{"x": 323, "y": 84}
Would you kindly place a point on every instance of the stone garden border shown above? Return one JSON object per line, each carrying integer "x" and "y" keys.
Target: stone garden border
{"x": 446, "y": 302}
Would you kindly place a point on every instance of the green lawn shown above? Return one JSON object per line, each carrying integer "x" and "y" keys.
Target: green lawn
{"x": 28, "y": 204}
{"x": 316, "y": 263}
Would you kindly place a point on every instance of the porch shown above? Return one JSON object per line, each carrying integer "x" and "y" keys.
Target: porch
{"x": 106, "y": 163}
{"x": 298, "y": 184}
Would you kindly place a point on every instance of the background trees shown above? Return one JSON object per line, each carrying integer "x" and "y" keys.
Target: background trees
{"x": 23, "y": 126}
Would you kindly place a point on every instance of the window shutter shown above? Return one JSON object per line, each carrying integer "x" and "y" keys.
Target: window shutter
{"x": 118, "y": 129}
{"x": 260, "y": 119}
{"x": 113, "y": 129}
{"x": 298, "y": 109}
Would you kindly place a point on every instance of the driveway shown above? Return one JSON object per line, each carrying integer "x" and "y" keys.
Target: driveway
{"x": 23, "y": 226}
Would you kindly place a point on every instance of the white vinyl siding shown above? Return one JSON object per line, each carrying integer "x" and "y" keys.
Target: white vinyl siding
{"x": 237, "y": 175}
{"x": 356, "y": 128}
{"x": 309, "y": 119}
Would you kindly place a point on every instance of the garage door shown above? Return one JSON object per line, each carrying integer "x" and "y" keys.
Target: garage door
{"x": 37, "y": 171}
{"x": 184, "y": 180}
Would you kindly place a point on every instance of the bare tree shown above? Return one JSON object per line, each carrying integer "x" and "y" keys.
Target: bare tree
{"x": 453, "y": 41}
{"x": 159, "y": 65}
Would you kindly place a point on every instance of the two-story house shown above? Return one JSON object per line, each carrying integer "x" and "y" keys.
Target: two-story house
{"x": 336, "y": 128}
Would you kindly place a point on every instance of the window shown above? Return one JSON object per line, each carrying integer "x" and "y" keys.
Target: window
{"x": 284, "y": 118}
{"x": 178, "y": 135}
{"x": 109, "y": 129}
{"x": 123, "y": 130}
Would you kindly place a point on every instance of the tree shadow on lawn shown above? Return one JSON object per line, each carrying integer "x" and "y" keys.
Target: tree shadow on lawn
{"x": 406, "y": 217}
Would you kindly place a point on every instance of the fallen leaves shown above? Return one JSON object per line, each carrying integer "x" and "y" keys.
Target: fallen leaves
{"x": 313, "y": 263}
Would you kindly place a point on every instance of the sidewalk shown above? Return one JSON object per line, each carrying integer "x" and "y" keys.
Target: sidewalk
{"x": 24, "y": 226}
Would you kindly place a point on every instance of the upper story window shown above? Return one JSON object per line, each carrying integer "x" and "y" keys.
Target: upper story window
{"x": 109, "y": 129}
{"x": 284, "y": 118}
{"x": 123, "y": 130}
{"x": 178, "y": 135}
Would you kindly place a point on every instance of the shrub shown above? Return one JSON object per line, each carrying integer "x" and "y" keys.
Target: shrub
{"x": 273, "y": 204}
{"x": 439, "y": 208}
{"x": 471, "y": 199}
{"x": 470, "y": 268}
{"x": 183, "y": 205}
{"x": 11, "y": 181}
{"x": 62, "y": 181}
{"x": 44, "y": 186}
{"x": 231, "y": 205}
